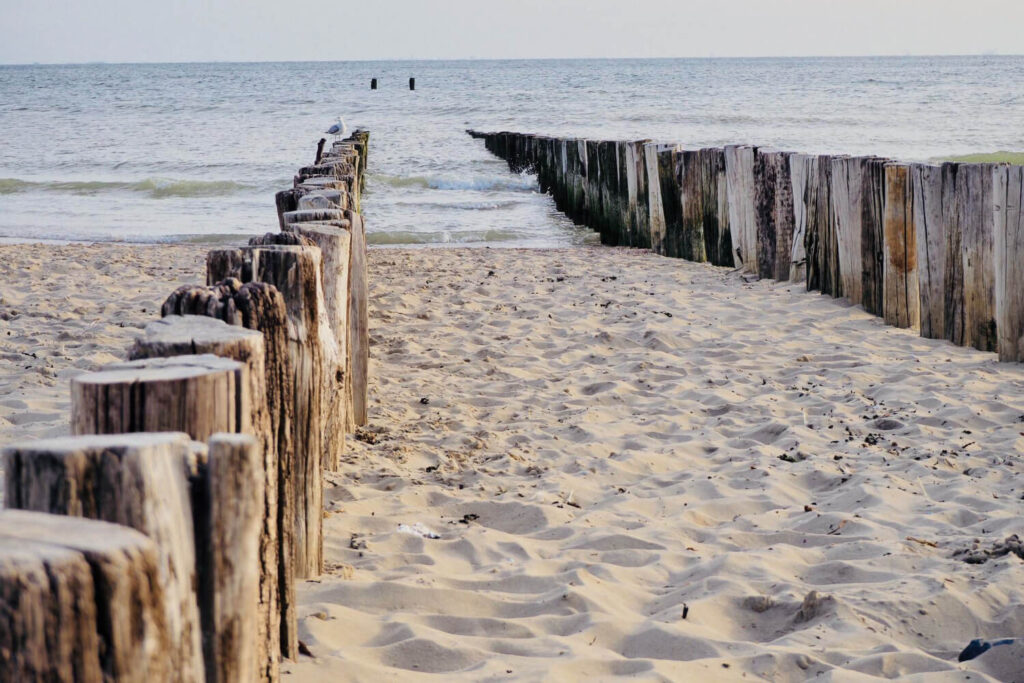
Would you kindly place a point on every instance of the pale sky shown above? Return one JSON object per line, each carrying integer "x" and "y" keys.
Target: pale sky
{"x": 272, "y": 30}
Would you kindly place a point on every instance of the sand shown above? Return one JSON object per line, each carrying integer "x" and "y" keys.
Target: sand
{"x": 636, "y": 466}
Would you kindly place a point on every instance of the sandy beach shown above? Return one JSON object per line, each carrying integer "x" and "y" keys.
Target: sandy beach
{"x": 596, "y": 462}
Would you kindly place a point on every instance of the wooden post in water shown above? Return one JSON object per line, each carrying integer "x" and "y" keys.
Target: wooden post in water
{"x": 412, "y": 84}
{"x": 373, "y": 84}
{"x": 84, "y": 601}
{"x": 320, "y": 150}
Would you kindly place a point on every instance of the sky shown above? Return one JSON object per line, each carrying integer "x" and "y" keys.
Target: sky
{"x": 69, "y": 31}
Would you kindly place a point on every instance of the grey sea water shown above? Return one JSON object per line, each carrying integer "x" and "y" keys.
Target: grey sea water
{"x": 178, "y": 152}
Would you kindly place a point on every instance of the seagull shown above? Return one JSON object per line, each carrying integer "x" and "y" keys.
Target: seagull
{"x": 338, "y": 130}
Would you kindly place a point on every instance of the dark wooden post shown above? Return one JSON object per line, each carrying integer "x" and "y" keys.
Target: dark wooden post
{"x": 320, "y": 150}
{"x": 373, "y": 84}
{"x": 412, "y": 84}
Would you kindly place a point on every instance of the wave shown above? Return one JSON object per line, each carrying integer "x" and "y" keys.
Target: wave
{"x": 520, "y": 183}
{"x": 441, "y": 237}
{"x": 156, "y": 188}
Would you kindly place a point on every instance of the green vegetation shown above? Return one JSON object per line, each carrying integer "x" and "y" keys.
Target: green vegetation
{"x": 989, "y": 158}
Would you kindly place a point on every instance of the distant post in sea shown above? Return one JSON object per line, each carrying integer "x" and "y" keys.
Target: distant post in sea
{"x": 373, "y": 84}
{"x": 412, "y": 84}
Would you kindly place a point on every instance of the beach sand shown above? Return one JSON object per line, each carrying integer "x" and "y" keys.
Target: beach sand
{"x": 635, "y": 465}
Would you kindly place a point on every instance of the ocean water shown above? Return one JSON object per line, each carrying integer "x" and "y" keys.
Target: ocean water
{"x": 195, "y": 152}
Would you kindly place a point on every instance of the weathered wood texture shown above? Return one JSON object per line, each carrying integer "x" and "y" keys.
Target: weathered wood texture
{"x": 1008, "y": 198}
{"x": 183, "y": 335}
{"x": 261, "y": 307}
{"x": 82, "y": 600}
{"x": 335, "y": 243}
{"x": 845, "y": 189}
{"x": 821, "y": 248}
{"x": 358, "y": 320}
{"x": 227, "y": 491}
{"x": 901, "y": 302}
{"x": 295, "y": 272}
{"x": 138, "y": 481}
{"x": 741, "y": 198}
{"x": 774, "y": 215}
{"x": 198, "y": 395}
{"x": 872, "y": 235}
{"x": 926, "y": 186}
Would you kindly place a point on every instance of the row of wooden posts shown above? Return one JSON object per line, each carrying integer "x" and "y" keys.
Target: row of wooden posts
{"x": 938, "y": 248}
{"x": 162, "y": 541}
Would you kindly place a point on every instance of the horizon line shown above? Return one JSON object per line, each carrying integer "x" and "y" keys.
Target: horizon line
{"x": 513, "y": 59}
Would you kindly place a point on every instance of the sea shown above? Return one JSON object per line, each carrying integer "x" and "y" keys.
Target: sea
{"x": 150, "y": 153}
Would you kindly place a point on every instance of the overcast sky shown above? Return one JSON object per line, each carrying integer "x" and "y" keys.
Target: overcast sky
{"x": 272, "y": 30}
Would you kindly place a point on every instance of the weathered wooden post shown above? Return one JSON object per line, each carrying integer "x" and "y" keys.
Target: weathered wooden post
{"x": 198, "y": 395}
{"x": 812, "y": 207}
{"x": 741, "y": 195}
{"x": 320, "y": 150}
{"x": 926, "y": 184}
{"x": 373, "y": 84}
{"x": 295, "y": 272}
{"x": 83, "y": 601}
{"x": 137, "y": 480}
{"x": 901, "y": 300}
{"x": 1008, "y": 199}
{"x": 228, "y": 489}
{"x": 412, "y": 84}
{"x": 261, "y": 307}
{"x": 185, "y": 335}
{"x": 845, "y": 193}
{"x": 773, "y": 192}
{"x": 872, "y": 235}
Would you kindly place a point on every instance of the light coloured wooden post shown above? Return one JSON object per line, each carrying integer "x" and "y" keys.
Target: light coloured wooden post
{"x": 295, "y": 272}
{"x": 228, "y": 506}
{"x": 198, "y": 395}
{"x": 845, "y": 193}
{"x": 741, "y": 196}
{"x": 138, "y": 480}
{"x": 185, "y": 335}
{"x": 335, "y": 243}
{"x": 926, "y": 185}
{"x": 901, "y": 298}
{"x": 83, "y": 601}
{"x": 1008, "y": 198}
{"x": 259, "y": 306}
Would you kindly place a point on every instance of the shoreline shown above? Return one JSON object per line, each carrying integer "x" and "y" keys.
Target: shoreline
{"x": 610, "y": 438}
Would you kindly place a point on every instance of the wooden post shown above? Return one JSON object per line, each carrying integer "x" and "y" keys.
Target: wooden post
{"x": 335, "y": 243}
{"x": 715, "y": 207}
{"x": 741, "y": 195}
{"x": 320, "y": 150}
{"x": 845, "y": 193}
{"x": 412, "y": 84}
{"x": 260, "y": 306}
{"x": 198, "y": 395}
{"x": 1008, "y": 198}
{"x": 820, "y": 244}
{"x": 373, "y": 84}
{"x": 83, "y": 601}
{"x": 926, "y": 184}
{"x": 137, "y": 480}
{"x": 295, "y": 272}
{"x": 900, "y": 297}
{"x": 872, "y": 243}
{"x": 976, "y": 221}
{"x": 655, "y": 197}
{"x": 185, "y": 335}
{"x": 691, "y": 242}
{"x": 227, "y": 488}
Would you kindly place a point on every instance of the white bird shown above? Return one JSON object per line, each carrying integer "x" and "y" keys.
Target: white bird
{"x": 338, "y": 130}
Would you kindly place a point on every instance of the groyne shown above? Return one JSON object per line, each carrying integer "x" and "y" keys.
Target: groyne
{"x": 163, "y": 540}
{"x": 934, "y": 248}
